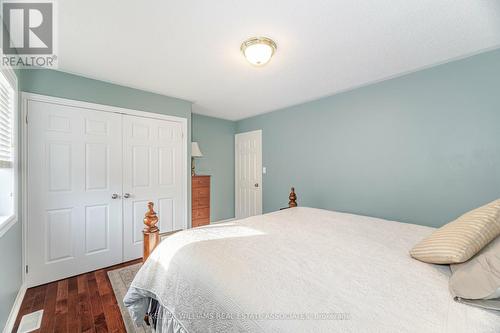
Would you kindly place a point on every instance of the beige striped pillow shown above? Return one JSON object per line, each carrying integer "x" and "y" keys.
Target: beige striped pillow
{"x": 459, "y": 240}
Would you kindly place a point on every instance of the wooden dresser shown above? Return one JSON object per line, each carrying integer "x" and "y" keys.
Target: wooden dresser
{"x": 200, "y": 200}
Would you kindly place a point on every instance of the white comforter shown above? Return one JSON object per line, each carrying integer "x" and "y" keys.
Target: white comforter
{"x": 280, "y": 271}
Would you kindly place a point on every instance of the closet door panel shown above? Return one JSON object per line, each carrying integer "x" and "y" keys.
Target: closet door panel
{"x": 74, "y": 168}
{"x": 152, "y": 171}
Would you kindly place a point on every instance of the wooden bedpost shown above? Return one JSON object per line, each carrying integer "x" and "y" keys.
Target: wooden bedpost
{"x": 151, "y": 232}
{"x": 293, "y": 198}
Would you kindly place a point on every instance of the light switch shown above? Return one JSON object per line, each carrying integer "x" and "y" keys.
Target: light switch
{"x": 264, "y": 170}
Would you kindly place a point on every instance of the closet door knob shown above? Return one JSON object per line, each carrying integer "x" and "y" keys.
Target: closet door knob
{"x": 126, "y": 195}
{"x": 114, "y": 196}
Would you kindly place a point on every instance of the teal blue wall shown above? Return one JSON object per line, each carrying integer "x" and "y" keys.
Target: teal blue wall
{"x": 64, "y": 85}
{"x": 421, "y": 148}
{"x": 216, "y": 140}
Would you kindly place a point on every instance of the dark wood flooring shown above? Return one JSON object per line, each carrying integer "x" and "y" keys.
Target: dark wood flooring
{"x": 83, "y": 303}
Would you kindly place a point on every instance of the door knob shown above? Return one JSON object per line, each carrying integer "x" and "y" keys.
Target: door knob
{"x": 256, "y": 185}
{"x": 114, "y": 196}
{"x": 126, "y": 195}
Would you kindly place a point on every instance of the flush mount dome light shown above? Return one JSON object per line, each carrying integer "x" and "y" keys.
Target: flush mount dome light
{"x": 258, "y": 50}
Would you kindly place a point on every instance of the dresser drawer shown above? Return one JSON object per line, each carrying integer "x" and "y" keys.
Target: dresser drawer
{"x": 200, "y": 222}
{"x": 200, "y": 181}
{"x": 201, "y": 192}
{"x": 201, "y": 213}
{"x": 200, "y": 202}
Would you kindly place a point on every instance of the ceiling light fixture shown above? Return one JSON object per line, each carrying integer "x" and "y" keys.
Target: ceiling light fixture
{"x": 258, "y": 50}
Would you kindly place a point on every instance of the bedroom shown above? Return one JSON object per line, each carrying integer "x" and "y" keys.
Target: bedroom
{"x": 384, "y": 117}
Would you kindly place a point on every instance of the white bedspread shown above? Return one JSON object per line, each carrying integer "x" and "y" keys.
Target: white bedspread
{"x": 354, "y": 271}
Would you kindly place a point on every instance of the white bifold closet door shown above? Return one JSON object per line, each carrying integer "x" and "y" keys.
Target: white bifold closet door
{"x": 90, "y": 176}
{"x": 152, "y": 171}
{"x": 74, "y": 169}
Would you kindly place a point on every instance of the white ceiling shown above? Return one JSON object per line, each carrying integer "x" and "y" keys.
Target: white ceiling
{"x": 190, "y": 49}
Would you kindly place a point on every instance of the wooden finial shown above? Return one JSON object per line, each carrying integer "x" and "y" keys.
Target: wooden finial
{"x": 151, "y": 232}
{"x": 150, "y": 219}
{"x": 293, "y": 199}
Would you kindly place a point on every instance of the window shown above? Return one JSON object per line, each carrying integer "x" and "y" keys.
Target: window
{"x": 8, "y": 154}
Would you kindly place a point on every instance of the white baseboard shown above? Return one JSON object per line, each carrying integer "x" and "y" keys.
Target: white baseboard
{"x": 222, "y": 221}
{"x": 9, "y": 325}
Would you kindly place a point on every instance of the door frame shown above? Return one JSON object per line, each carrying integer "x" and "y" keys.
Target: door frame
{"x": 236, "y": 182}
{"x": 23, "y": 120}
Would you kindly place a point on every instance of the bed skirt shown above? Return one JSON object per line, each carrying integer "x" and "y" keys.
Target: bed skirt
{"x": 148, "y": 309}
{"x": 162, "y": 321}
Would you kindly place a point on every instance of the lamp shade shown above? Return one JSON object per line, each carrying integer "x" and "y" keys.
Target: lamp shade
{"x": 195, "y": 150}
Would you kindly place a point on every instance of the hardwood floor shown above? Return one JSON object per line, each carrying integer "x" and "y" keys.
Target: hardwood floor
{"x": 83, "y": 303}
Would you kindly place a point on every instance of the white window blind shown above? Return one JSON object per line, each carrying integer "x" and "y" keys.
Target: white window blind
{"x": 6, "y": 123}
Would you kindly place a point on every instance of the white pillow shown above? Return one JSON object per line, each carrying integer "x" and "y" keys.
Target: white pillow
{"x": 461, "y": 239}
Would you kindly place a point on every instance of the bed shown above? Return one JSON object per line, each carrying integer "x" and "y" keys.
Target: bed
{"x": 299, "y": 270}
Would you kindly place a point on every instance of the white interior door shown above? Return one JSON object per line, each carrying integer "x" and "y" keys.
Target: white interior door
{"x": 153, "y": 170}
{"x": 248, "y": 173}
{"x": 74, "y": 168}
